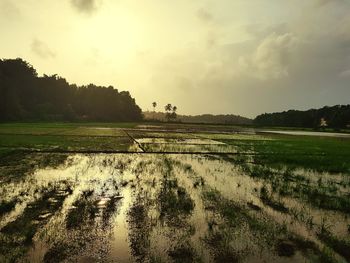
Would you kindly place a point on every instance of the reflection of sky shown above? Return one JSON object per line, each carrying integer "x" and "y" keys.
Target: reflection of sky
{"x": 136, "y": 180}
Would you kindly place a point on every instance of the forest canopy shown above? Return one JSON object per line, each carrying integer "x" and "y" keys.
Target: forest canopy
{"x": 337, "y": 116}
{"x": 25, "y": 96}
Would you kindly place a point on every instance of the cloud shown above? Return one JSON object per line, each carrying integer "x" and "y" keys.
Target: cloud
{"x": 270, "y": 60}
{"x": 41, "y": 49}
{"x": 298, "y": 62}
{"x": 262, "y": 30}
{"x": 345, "y": 73}
{"x": 204, "y": 15}
{"x": 9, "y": 9}
{"x": 325, "y": 2}
{"x": 86, "y": 6}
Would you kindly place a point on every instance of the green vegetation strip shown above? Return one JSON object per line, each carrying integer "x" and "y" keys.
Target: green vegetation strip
{"x": 318, "y": 153}
{"x": 64, "y": 143}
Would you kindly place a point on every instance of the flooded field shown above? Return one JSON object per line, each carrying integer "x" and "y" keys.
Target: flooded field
{"x": 209, "y": 195}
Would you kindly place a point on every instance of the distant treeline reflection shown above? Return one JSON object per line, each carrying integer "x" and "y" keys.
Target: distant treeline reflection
{"x": 25, "y": 96}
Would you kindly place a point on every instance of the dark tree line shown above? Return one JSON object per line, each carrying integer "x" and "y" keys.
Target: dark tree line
{"x": 25, "y": 96}
{"x": 217, "y": 119}
{"x": 335, "y": 117}
{"x": 229, "y": 119}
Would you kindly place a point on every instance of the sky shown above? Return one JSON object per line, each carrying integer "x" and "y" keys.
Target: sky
{"x": 243, "y": 57}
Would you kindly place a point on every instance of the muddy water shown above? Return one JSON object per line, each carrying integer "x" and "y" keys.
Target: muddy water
{"x": 163, "y": 208}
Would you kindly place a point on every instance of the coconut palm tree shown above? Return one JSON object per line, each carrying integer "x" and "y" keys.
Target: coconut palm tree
{"x": 168, "y": 107}
{"x": 173, "y": 114}
{"x": 154, "y": 104}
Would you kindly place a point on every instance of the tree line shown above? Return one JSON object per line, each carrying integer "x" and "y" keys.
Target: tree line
{"x": 26, "y": 96}
{"x": 169, "y": 115}
{"x": 337, "y": 117}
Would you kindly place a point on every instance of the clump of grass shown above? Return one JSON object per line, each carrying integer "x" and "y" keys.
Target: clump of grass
{"x": 253, "y": 206}
{"x": 139, "y": 231}
{"x": 327, "y": 256}
{"x": 183, "y": 253}
{"x": 110, "y": 209}
{"x": 175, "y": 201}
{"x": 226, "y": 208}
{"x": 85, "y": 209}
{"x": 211, "y": 225}
{"x": 321, "y": 198}
{"x": 341, "y": 246}
{"x": 268, "y": 200}
{"x": 88, "y": 193}
{"x": 199, "y": 182}
{"x": 188, "y": 168}
{"x": 57, "y": 253}
{"x": 220, "y": 244}
{"x": 155, "y": 259}
{"x": 7, "y": 206}
{"x": 124, "y": 183}
{"x": 285, "y": 248}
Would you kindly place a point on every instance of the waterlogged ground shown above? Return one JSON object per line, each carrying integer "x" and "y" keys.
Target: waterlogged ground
{"x": 209, "y": 195}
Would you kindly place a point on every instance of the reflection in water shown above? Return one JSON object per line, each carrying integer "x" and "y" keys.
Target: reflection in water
{"x": 161, "y": 208}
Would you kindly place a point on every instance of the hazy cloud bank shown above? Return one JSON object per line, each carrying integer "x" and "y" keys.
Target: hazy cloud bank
{"x": 41, "y": 49}
{"x": 86, "y": 6}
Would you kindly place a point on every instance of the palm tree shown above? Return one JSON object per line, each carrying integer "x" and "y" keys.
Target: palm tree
{"x": 154, "y": 104}
{"x": 174, "y": 109}
{"x": 173, "y": 114}
{"x": 168, "y": 107}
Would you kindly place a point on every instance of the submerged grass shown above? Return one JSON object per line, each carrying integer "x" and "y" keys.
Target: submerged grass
{"x": 15, "y": 165}
{"x": 139, "y": 235}
{"x": 268, "y": 234}
{"x": 286, "y": 182}
{"x": 83, "y": 209}
{"x": 268, "y": 200}
{"x": 341, "y": 246}
{"x": 19, "y": 233}
{"x": 183, "y": 253}
{"x": 177, "y": 200}
{"x": 174, "y": 201}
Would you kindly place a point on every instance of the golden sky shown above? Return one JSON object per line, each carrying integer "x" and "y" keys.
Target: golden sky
{"x": 204, "y": 56}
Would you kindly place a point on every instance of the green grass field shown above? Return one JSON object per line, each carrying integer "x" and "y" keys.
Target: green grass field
{"x": 320, "y": 153}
